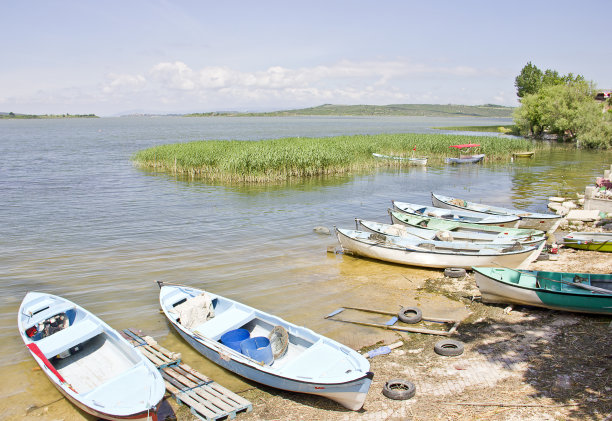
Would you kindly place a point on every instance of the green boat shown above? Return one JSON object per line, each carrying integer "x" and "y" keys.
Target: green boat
{"x": 595, "y": 241}
{"x": 577, "y": 292}
{"x": 465, "y": 231}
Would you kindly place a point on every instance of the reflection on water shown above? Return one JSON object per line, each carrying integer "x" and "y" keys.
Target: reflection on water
{"x": 78, "y": 220}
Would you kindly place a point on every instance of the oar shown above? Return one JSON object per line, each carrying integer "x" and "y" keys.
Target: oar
{"x": 575, "y": 284}
{"x": 36, "y": 351}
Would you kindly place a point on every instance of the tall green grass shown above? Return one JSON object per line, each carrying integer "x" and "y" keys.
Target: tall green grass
{"x": 279, "y": 159}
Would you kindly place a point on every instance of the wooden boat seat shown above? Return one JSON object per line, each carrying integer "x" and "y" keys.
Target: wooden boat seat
{"x": 69, "y": 337}
{"x": 322, "y": 363}
{"x": 230, "y": 319}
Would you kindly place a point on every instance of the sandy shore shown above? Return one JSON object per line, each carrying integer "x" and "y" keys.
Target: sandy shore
{"x": 519, "y": 364}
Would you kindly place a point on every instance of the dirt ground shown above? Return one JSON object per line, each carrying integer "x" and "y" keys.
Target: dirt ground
{"x": 519, "y": 363}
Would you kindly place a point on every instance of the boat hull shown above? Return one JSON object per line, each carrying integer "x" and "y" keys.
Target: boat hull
{"x": 592, "y": 241}
{"x": 457, "y": 215}
{"x": 98, "y": 371}
{"x": 531, "y": 220}
{"x": 471, "y": 232}
{"x": 422, "y": 160}
{"x": 297, "y": 374}
{"x": 351, "y": 394}
{"x": 432, "y": 259}
{"x": 494, "y": 290}
{"x": 465, "y": 160}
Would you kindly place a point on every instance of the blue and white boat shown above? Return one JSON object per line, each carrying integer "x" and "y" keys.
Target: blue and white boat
{"x": 541, "y": 221}
{"x": 510, "y": 221}
{"x": 89, "y": 362}
{"x": 435, "y": 254}
{"x": 303, "y": 361}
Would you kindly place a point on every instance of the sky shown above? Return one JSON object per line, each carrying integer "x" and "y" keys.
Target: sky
{"x": 149, "y": 56}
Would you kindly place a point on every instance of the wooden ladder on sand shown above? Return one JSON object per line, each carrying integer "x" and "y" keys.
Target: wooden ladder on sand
{"x": 207, "y": 399}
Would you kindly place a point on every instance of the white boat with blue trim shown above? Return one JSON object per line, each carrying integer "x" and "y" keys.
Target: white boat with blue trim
{"x": 402, "y": 230}
{"x": 510, "y": 221}
{"x": 303, "y": 361}
{"x": 435, "y": 254}
{"x": 89, "y": 362}
{"x": 535, "y": 220}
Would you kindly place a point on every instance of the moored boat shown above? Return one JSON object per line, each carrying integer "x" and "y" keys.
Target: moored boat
{"x": 415, "y": 231}
{"x": 595, "y": 241}
{"x": 528, "y": 154}
{"x": 90, "y": 363}
{"x": 298, "y": 359}
{"x": 576, "y": 292}
{"x": 465, "y": 231}
{"x": 535, "y": 220}
{"x": 464, "y": 158}
{"x": 456, "y": 215}
{"x": 414, "y": 160}
{"x": 434, "y": 254}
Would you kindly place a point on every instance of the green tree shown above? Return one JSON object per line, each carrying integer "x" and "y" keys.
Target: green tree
{"x": 528, "y": 117}
{"x": 529, "y": 81}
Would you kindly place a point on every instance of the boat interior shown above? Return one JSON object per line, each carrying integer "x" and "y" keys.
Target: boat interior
{"x": 307, "y": 354}
{"x": 230, "y": 315}
{"x": 76, "y": 345}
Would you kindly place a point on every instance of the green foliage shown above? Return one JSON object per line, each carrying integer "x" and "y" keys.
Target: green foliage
{"x": 529, "y": 81}
{"x": 567, "y": 110}
{"x": 280, "y": 159}
{"x": 512, "y": 129}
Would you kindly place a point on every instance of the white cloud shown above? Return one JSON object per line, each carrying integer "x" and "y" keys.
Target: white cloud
{"x": 176, "y": 87}
{"x": 117, "y": 83}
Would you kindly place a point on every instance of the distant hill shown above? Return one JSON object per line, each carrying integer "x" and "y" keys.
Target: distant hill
{"x": 430, "y": 110}
{"x": 10, "y": 115}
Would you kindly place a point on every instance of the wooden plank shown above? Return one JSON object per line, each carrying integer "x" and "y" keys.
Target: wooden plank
{"x": 215, "y": 385}
{"x": 207, "y": 399}
{"x": 200, "y": 390}
{"x": 152, "y": 357}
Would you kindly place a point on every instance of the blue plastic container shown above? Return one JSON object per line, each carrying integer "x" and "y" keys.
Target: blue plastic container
{"x": 234, "y": 338}
{"x": 258, "y": 348}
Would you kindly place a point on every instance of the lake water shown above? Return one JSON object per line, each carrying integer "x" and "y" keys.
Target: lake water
{"x": 78, "y": 220}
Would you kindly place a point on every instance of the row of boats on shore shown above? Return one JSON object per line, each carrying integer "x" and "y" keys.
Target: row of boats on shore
{"x": 497, "y": 243}
{"x": 104, "y": 375}
{"x": 453, "y": 233}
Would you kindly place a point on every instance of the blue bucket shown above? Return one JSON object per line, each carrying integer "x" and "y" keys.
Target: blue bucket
{"x": 234, "y": 338}
{"x": 259, "y": 349}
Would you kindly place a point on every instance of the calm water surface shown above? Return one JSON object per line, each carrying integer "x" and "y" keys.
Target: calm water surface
{"x": 78, "y": 220}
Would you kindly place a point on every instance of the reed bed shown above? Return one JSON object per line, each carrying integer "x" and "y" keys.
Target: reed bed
{"x": 281, "y": 159}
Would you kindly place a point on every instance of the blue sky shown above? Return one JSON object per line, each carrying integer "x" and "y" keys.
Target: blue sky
{"x": 116, "y": 57}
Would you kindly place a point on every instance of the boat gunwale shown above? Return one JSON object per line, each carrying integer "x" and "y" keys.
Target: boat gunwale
{"x": 249, "y": 361}
{"x": 512, "y": 212}
{"x": 527, "y": 249}
{"x": 586, "y": 292}
{"x": 510, "y": 218}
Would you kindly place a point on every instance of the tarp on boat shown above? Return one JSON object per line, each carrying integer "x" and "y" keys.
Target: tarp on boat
{"x": 195, "y": 310}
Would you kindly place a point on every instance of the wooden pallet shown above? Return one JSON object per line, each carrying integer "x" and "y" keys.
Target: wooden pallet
{"x": 207, "y": 399}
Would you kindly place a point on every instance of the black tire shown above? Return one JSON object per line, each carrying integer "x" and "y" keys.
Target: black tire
{"x": 399, "y": 389}
{"x": 454, "y": 272}
{"x": 449, "y": 348}
{"x": 410, "y": 315}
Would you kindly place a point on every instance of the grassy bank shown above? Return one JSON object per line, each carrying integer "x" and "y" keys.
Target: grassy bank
{"x": 280, "y": 159}
{"x": 511, "y": 129}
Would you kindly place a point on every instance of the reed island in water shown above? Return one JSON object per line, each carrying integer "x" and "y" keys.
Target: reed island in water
{"x": 280, "y": 159}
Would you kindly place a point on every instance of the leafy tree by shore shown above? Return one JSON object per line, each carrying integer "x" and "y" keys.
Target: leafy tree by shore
{"x": 563, "y": 106}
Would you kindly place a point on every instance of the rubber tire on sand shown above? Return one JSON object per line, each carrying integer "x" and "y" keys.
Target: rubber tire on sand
{"x": 414, "y": 315}
{"x": 454, "y": 272}
{"x": 449, "y": 348}
{"x": 399, "y": 389}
